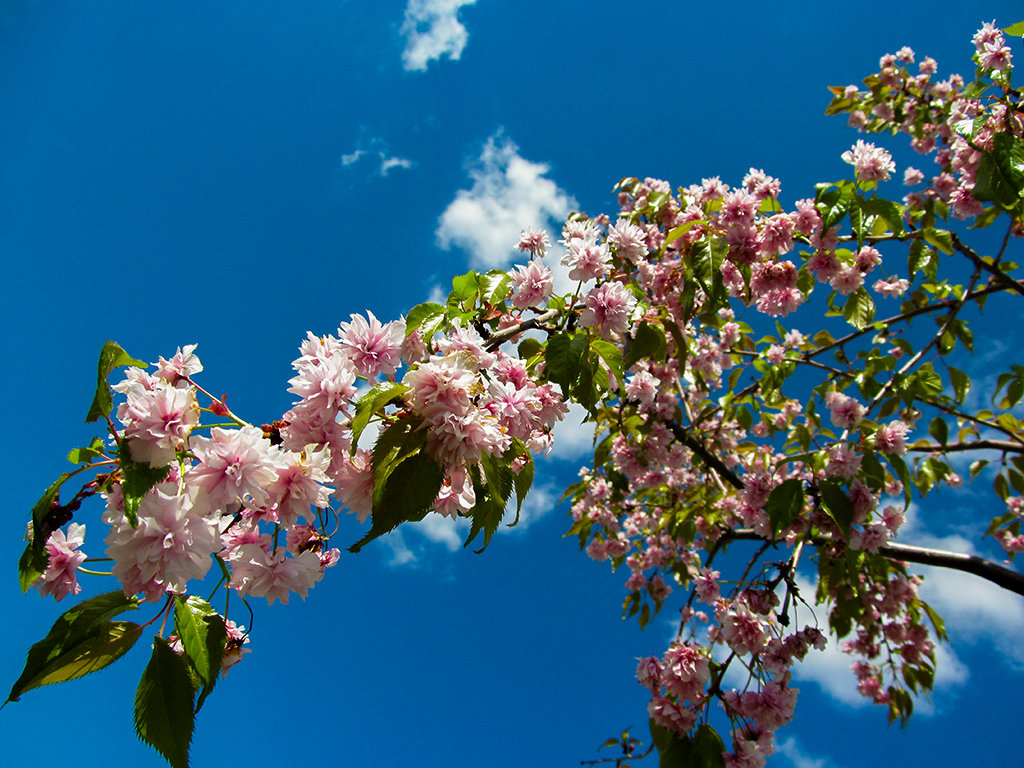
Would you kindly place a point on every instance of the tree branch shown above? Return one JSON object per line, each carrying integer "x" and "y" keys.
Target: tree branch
{"x": 1000, "y": 575}
{"x": 996, "y": 445}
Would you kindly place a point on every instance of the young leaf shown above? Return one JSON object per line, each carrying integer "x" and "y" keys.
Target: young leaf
{"x": 372, "y": 402}
{"x": 164, "y": 718}
{"x": 86, "y": 454}
{"x": 563, "y": 356}
{"x": 111, "y": 357}
{"x": 82, "y": 640}
{"x": 649, "y": 341}
{"x": 859, "y": 309}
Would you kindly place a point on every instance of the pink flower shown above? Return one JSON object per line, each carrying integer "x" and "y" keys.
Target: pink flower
{"x": 891, "y": 288}
{"x": 889, "y": 438}
{"x": 531, "y": 284}
{"x": 586, "y": 261}
{"x": 534, "y": 241}
{"x": 171, "y": 544}
{"x": 233, "y": 464}
{"x": 158, "y": 421}
{"x": 353, "y": 476}
{"x": 60, "y": 578}
{"x": 608, "y": 308}
{"x": 846, "y": 412}
{"x": 373, "y": 348}
{"x": 847, "y": 280}
{"x": 274, "y": 576}
{"x": 183, "y": 365}
{"x": 628, "y": 240}
{"x": 870, "y": 163}
{"x": 301, "y": 483}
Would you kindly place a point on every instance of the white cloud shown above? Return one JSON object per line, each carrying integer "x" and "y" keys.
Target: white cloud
{"x": 379, "y": 148}
{"x": 432, "y": 29}
{"x": 574, "y": 438}
{"x": 972, "y": 608}
{"x": 792, "y": 750}
{"x": 509, "y": 194}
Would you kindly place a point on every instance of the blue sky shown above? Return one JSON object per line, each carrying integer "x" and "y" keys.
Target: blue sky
{"x": 235, "y": 174}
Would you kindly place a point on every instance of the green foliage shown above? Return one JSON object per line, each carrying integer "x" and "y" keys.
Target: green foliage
{"x": 164, "y": 717}
{"x": 81, "y": 641}
{"x": 139, "y": 479}
{"x": 111, "y": 357}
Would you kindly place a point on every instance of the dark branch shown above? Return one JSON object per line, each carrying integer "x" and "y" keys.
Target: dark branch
{"x": 974, "y": 445}
{"x": 1000, "y": 575}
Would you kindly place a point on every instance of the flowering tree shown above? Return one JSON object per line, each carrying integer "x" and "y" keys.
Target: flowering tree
{"x": 715, "y": 425}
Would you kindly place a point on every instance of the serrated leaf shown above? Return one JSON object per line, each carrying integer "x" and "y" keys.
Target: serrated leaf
{"x": 837, "y": 505}
{"x": 370, "y": 403}
{"x": 111, "y": 357}
{"x": 522, "y": 482}
{"x": 203, "y": 634}
{"x": 79, "y": 642}
{"x": 939, "y": 430}
{"x": 164, "y": 717}
{"x": 405, "y": 494}
{"x": 940, "y": 238}
{"x": 784, "y": 504}
{"x": 674, "y": 751}
{"x": 920, "y": 257}
{"x": 528, "y": 348}
{"x": 612, "y": 357}
{"x": 707, "y": 748}
{"x": 563, "y": 355}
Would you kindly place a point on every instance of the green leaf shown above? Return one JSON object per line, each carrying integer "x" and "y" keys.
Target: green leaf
{"x": 111, "y": 357}
{"x": 784, "y": 504}
{"x": 203, "y": 635}
{"x": 612, "y": 357}
{"x": 47, "y": 516}
{"x": 873, "y": 471}
{"x": 837, "y": 505}
{"x": 707, "y": 748}
{"x": 522, "y": 482}
{"x": 421, "y": 315}
{"x": 648, "y": 342}
{"x": 164, "y": 717}
{"x": 1017, "y": 30}
{"x": 940, "y": 238}
{"x": 674, "y": 751}
{"x": 370, "y": 403}
{"x": 961, "y": 383}
{"x": 139, "y": 478}
{"x": 528, "y": 348}
{"x": 563, "y": 357}
{"x": 404, "y": 494}
{"x": 494, "y": 286}
{"x": 939, "y": 430}
{"x": 464, "y": 290}
{"x": 88, "y": 453}
{"x": 920, "y": 257}
{"x": 82, "y": 640}
{"x": 1000, "y": 175}
{"x": 859, "y": 309}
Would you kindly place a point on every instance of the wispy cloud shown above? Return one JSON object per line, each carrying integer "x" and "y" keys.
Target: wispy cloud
{"x": 432, "y": 29}
{"x": 509, "y": 194}
{"x": 790, "y": 749}
{"x": 377, "y": 149}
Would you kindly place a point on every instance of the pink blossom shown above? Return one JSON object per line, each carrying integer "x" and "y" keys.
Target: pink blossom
{"x": 608, "y": 307}
{"x": 912, "y": 176}
{"x": 373, "y": 348}
{"x": 870, "y": 163}
{"x": 353, "y": 476}
{"x": 259, "y": 573}
{"x": 628, "y": 240}
{"x": 60, "y": 578}
{"x": 889, "y": 438}
{"x": 892, "y": 288}
{"x": 531, "y": 284}
{"x": 233, "y": 464}
{"x": 171, "y": 544}
{"x": 587, "y": 261}
{"x": 301, "y": 483}
{"x": 845, "y": 411}
{"x": 158, "y": 421}
{"x": 534, "y": 241}
{"x": 183, "y": 365}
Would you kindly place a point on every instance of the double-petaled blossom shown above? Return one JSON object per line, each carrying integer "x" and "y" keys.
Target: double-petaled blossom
{"x": 373, "y": 348}
{"x": 234, "y": 465}
{"x": 60, "y": 578}
{"x": 531, "y": 284}
{"x": 171, "y": 543}
{"x": 158, "y": 420}
{"x": 274, "y": 575}
{"x": 607, "y": 309}
{"x": 869, "y": 162}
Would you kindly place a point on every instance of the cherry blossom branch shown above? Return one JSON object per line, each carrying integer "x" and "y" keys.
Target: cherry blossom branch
{"x": 992, "y": 269}
{"x": 996, "y": 445}
{"x": 1000, "y": 575}
{"x": 498, "y": 338}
